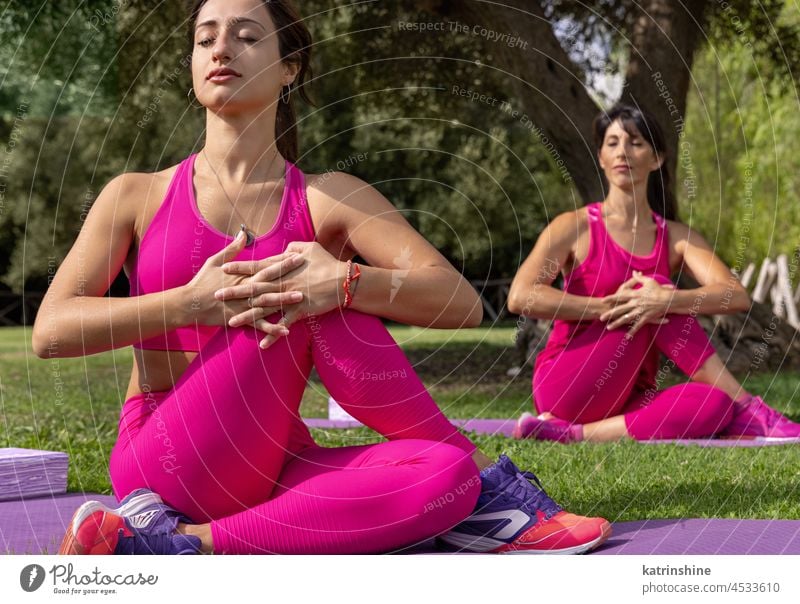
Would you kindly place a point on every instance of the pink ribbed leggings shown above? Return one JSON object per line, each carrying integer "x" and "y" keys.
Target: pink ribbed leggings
{"x": 226, "y": 445}
{"x": 597, "y": 375}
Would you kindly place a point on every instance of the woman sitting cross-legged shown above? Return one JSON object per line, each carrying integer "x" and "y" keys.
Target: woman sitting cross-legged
{"x": 595, "y": 379}
{"x": 212, "y": 454}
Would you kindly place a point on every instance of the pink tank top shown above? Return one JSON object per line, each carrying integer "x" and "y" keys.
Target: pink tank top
{"x": 607, "y": 266}
{"x": 179, "y": 240}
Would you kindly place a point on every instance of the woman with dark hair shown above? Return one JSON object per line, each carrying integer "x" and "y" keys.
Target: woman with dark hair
{"x": 212, "y": 454}
{"x": 595, "y": 379}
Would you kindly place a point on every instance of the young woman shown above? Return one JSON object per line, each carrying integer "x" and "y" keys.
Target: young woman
{"x": 212, "y": 454}
{"x": 596, "y": 377}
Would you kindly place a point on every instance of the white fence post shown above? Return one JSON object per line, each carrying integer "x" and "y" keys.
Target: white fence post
{"x": 784, "y": 288}
{"x": 764, "y": 283}
{"x": 773, "y": 281}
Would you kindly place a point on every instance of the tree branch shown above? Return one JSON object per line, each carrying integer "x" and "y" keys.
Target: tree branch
{"x": 548, "y": 84}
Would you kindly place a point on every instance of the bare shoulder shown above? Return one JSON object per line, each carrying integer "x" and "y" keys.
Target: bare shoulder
{"x": 149, "y": 186}
{"x": 568, "y": 226}
{"x": 139, "y": 194}
{"x": 130, "y": 190}
{"x": 320, "y": 188}
{"x": 681, "y": 235}
{"x": 117, "y": 202}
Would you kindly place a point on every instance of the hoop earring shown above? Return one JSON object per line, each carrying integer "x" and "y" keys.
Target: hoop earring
{"x": 189, "y": 96}
{"x": 285, "y": 99}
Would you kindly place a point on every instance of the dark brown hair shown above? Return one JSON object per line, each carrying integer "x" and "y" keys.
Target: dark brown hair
{"x": 294, "y": 43}
{"x": 659, "y": 183}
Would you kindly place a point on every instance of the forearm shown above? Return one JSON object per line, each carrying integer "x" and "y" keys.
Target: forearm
{"x": 540, "y": 301}
{"x": 87, "y": 325}
{"x": 715, "y": 298}
{"x": 428, "y": 297}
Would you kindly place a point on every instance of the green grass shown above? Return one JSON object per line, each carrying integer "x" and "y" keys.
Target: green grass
{"x": 73, "y": 405}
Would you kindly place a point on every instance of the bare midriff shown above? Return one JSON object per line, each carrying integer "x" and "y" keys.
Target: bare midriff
{"x": 159, "y": 370}
{"x": 156, "y": 370}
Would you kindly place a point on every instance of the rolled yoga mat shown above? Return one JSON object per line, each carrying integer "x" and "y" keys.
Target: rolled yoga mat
{"x": 36, "y": 526}
{"x": 32, "y": 473}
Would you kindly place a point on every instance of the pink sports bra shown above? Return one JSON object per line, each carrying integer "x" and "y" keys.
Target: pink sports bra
{"x": 607, "y": 266}
{"x": 179, "y": 240}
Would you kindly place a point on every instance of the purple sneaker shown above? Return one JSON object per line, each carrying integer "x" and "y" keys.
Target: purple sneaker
{"x": 515, "y": 516}
{"x": 554, "y": 429}
{"x": 154, "y": 516}
{"x": 106, "y": 533}
{"x": 754, "y": 418}
{"x": 141, "y": 512}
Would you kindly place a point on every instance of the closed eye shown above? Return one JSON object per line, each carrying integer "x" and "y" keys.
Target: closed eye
{"x": 209, "y": 41}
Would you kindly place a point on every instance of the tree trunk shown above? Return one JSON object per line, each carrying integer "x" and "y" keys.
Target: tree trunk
{"x": 547, "y": 86}
{"x": 550, "y": 87}
{"x": 664, "y": 40}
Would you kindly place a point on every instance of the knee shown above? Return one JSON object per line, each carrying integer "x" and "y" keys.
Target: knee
{"x": 345, "y": 325}
{"x": 452, "y": 459}
{"x": 714, "y": 407}
{"x": 447, "y": 484}
{"x": 347, "y": 317}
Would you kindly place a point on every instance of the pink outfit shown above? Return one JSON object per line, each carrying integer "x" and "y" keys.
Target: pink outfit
{"x": 179, "y": 240}
{"x": 226, "y": 444}
{"x": 586, "y": 373}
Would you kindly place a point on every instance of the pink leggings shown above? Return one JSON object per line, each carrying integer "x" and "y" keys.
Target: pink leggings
{"x": 226, "y": 445}
{"x": 599, "y": 373}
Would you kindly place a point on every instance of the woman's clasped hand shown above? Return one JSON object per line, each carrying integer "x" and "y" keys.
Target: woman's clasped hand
{"x": 638, "y": 301}
{"x": 305, "y": 280}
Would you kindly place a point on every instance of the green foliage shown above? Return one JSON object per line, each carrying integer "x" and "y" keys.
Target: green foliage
{"x": 740, "y": 157}
{"x": 769, "y": 26}
{"x": 474, "y": 181}
{"x": 89, "y": 91}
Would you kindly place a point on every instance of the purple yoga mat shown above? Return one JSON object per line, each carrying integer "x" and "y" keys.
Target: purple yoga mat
{"x": 692, "y": 536}
{"x": 36, "y": 526}
{"x": 704, "y": 536}
{"x": 504, "y": 427}
{"x": 724, "y": 442}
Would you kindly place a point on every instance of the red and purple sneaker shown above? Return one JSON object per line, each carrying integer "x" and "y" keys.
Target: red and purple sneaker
{"x": 515, "y": 516}
{"x": 754, "y": 418}
{"x": 154, "y": 516}
{"x": 142, "y": 524}
{"x": 529, "y": 426}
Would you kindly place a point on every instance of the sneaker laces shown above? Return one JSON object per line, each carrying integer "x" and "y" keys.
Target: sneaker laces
{"x": 145, "y": 543}
{"x": 532, "y": 499}
{"x": 771, "y": 416}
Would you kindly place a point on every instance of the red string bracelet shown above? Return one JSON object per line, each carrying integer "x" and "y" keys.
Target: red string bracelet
{"x": 351, "y": 276}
